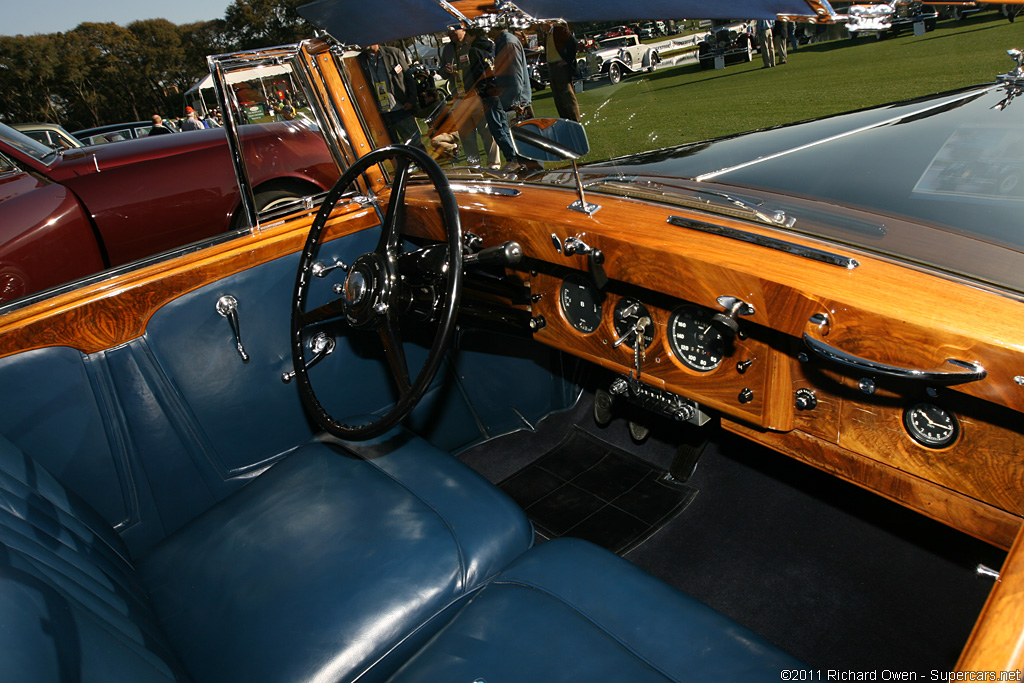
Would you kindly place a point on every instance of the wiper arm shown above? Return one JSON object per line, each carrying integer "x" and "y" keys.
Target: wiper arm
{"x": 776, "y": 217}
{"x": 748, "y": 209}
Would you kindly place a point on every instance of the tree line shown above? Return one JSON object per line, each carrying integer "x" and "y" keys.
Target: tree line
{"x": 100, "y": 73}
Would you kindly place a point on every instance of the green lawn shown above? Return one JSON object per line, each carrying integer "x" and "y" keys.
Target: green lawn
{"x": 682, "y": 104}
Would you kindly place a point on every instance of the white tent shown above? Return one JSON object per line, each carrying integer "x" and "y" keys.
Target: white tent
{"x": 194, "y": 95}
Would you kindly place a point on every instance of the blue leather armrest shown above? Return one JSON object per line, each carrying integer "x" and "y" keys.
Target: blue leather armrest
{"x": 568, "y": 610}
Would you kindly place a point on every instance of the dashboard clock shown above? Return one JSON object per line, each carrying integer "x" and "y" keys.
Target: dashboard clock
{"x": 930, "y": 425}
{"x": 694, "y": 340}
{"x": 581, "y": 304}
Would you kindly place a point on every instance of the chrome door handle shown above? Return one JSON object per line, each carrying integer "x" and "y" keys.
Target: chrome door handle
{"x": 322, "y": 345}
{"x": 227, "y": 306}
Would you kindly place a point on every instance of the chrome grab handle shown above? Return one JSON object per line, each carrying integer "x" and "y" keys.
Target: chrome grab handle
{"x": 972, "y": 372}
{"x": 322, "y": 346}
{"x": 227, "y": 306}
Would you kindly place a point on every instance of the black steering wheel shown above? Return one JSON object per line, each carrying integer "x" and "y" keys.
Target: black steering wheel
{"x": 384, "y": 285}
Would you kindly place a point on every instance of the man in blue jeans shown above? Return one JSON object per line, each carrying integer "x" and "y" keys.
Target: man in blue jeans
{"x": 510, "y": 96}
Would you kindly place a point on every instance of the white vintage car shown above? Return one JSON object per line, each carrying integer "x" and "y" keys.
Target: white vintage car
{"x": 620, "y": 56}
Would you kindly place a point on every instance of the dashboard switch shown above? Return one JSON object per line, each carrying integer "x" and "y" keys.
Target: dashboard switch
{"x": 746, "y": 395}
{"x": 806, "y": 399}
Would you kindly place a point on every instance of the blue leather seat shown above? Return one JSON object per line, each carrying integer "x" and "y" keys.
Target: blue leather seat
{"x": 332, "y": 567}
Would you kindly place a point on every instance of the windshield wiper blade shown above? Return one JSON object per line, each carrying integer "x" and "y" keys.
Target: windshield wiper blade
{"x": 776, "y": 217}
{"x": 728, "y": 205}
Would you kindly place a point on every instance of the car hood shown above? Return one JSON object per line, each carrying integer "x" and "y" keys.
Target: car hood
{"x": 100, "y": 158}
{"x": 932, "y": 181}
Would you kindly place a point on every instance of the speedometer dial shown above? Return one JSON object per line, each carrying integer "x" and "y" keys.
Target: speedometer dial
{"x": 693, "y": 339}
{"x": 581, "y": 304}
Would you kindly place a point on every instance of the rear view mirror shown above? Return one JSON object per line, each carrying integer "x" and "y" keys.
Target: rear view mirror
{"x": 550, "y": 139}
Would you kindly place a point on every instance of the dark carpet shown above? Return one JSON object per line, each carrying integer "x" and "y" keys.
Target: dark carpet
{"x": 589, "y": 489}
{"x": 833, "y": 574}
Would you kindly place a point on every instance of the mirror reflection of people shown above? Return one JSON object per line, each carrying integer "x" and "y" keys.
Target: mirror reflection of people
{"x": 560, "y": 48}
{"x": 511, "y": 95}
{"x": 396, "y": 88}
{"x": 465, "y": 62}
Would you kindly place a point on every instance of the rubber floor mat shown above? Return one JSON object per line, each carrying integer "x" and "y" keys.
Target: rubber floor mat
{"x": 589, "y": 489}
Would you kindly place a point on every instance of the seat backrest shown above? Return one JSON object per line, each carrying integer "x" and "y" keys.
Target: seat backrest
{"x": 70, "y": 607}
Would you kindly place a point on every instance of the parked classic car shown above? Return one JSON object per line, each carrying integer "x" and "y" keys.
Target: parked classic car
{"x": 114, "y": 132}
{"x": 789, "y": 389}
{"x": 69, "y": 214}
{"x": 729, "y": 41}
{"x": 621, "y": 56}
{"x": 890, "y": 18}
{"x": 50, "y": 134}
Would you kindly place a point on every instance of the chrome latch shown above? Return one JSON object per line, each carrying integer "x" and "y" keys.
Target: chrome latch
{"x": 227, "y": 307}
{"x": 322, "y": 345}
{"x": 320, "y": 269}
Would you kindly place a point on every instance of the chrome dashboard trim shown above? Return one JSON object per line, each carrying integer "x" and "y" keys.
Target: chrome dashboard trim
{"x": 486, "y": 189}
{"x": 765, "y": 241}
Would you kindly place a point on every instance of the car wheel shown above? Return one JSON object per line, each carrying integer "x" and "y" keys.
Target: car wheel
{"x": 628, "y": 60}
{"x": 614, "y": 73}
{"x": 266, "y": 200}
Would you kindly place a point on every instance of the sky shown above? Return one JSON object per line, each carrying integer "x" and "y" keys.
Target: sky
{"x": 28, "y": 17}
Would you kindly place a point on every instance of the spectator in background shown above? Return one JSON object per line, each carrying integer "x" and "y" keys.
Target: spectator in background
{"x": 511, "y": 97}
{"x": 158, "y": 126}
{"x": 765, "y": 40}
{"x": 781, "y": 39}
{"x": 396, "y": 88}
{"x": 560, "y": 52}
{"x": 191, "y": 121}
{"x": 466, "y": 62}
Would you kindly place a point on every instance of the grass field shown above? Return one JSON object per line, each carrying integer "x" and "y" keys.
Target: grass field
{"x": 682, "y": 104}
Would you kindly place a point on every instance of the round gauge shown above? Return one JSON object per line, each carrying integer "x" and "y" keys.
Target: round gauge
{"x": 626, "y": 315}
{"x": 581, "y": 304}
{"x": 693, "y": 339}
{"x": 931, "y": 425}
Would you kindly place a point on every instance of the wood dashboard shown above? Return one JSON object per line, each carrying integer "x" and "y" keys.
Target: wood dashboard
{"x": 853, "y": 425}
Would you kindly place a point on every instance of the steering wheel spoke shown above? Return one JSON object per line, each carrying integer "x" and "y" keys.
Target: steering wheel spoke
{"x": 323, "y": 314}
{"x": 395, "y": 216}
{"x": 391, "y": 339}
{"x": 369, "y": 302}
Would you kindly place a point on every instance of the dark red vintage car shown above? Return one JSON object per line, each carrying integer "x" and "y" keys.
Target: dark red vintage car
{"x": 67, "y": 215}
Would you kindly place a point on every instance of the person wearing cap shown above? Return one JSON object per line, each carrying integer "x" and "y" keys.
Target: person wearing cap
{"x": 191, "y": 121}
{"x": 468, "y": 62}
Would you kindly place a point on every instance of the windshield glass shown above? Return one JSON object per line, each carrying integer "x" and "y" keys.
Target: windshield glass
{"x": 675, "y": 103}
{"x": 27, "y": 145}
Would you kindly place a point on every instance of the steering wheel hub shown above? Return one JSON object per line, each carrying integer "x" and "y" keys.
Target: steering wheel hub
{"x": 366, "y": 290}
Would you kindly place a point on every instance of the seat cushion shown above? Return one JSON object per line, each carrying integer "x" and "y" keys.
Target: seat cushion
{"x": 324, "y": 563}
{"x": 569, "y": 611}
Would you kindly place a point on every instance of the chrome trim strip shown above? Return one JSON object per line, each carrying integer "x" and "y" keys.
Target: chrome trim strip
{"x": 765, "y": 241}
{"x": 486, "y": 189}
